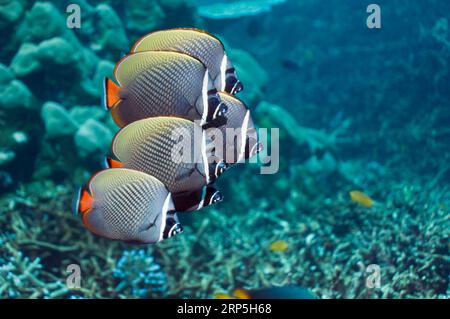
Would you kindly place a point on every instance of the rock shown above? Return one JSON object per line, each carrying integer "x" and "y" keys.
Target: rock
{"x": 88, "y": 92}
{"x": 43, "y": 21}
{"x": 57, "y": 51}
{"x": 93, "y": 137}
{"x": 143, "y": 15}
{"x": 26, "y": 60}
{"x": 80, "y": 114}
{"x": 179, "y": 13}
{"x": 15, "y": 94}
{"x": 112, "y": 33}
{"x": 89, "y": 60}
{"x": 58, "y": 121}
{"x": 10, "y": 12}
{"x": 55, "y": 62}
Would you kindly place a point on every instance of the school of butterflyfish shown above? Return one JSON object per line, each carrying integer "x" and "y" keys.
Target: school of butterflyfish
{"x": 168, "y": 94}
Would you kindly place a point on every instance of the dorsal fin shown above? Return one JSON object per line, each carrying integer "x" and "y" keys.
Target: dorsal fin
{"x": 141, "y": 43}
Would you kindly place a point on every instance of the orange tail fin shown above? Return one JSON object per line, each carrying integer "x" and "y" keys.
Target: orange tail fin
{"x": 82, "y": 201}
{"x": 111, "y": 93}
{"x": 110, "y": 163}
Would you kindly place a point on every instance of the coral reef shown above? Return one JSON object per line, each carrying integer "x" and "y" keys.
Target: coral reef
{"x": 13, "y": 93}
{"x": 20, "y": 277}
{"x": 139, "y": 275}
{"x": 329, "y": 247}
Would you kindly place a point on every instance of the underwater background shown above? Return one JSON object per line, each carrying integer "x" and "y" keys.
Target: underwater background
{"x": 364, "y": 172}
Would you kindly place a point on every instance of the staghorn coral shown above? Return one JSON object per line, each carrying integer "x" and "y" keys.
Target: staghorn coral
{"x": 20, "y": 277}
{"x": 329, "y": 245}
{"x": 139, "y": 276}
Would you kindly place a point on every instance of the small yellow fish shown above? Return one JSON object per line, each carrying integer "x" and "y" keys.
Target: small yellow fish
{"x": 361, "y": 199}
{"x": 240, "y": 293}
{"x": 279, "y": 245}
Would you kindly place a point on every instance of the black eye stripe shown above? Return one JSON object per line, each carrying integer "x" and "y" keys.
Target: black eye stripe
{"x": 213, "y": 101}
{"x": 230, "y": 71}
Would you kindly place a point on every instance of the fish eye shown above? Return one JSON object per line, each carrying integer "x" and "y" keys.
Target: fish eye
{"x": 221, "y": 109}
{"x": 217, "y": 197}
{"x": 230, "y": 81}
{"x": 232, "y": 84}
{"x": 172, "y": 228}
{"x": 220, "y": 168}
{"x": 238, "y": 87}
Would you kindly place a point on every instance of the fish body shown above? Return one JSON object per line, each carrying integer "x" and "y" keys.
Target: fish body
{"x": 239, "y": 137}
{"x": 161, "y": 83}
{"x": 361, "y": 199}
{"x": 279, "y": 245}
{"x": 174, "y": 150}
{"x": 165, "y": 98}
{"x": 199, "y": 44}
{"x": 127, "y": 205}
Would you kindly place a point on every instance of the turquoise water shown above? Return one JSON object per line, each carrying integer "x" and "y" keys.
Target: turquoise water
{"x": 358, "y": 109}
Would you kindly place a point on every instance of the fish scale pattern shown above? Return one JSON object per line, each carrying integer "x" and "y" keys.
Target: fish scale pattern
{"x": 148, "y": 146}
{"x": 126, "y": 201}
{"x": 163, "y": 159}
{"x": 189, "y": 41}
{"x": 157, "y": 85}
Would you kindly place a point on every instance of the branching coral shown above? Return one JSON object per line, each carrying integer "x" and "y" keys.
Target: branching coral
{"x": 139, "y": 275}
{"x": 22, "y": 277}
